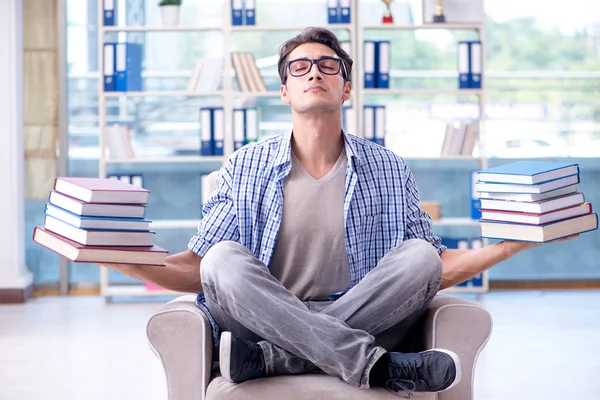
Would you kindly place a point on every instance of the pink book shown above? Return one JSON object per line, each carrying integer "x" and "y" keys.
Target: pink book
{"x": 152, "y": 286}
{"x": 141, "y": 255}
{"x": 100, "y": 190}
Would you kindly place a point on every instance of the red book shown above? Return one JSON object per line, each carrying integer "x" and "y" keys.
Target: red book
{"x": 99, "y": 190}
{"x": 141, "y": 255}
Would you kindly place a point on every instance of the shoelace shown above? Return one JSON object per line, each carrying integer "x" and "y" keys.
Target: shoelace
{"x": 408, "y": 371}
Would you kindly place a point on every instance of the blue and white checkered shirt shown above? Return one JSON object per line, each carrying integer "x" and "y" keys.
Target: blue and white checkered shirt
{"x": 381, "y": 205}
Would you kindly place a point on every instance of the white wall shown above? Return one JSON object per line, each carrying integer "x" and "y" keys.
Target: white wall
{"x": 13, "y": 273}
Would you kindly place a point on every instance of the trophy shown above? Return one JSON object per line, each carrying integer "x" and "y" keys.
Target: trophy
{"x": 438, "y": 16}
{"x": 387, "y": 16}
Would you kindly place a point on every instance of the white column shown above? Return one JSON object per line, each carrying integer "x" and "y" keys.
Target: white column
{"x": 15, "y": 279}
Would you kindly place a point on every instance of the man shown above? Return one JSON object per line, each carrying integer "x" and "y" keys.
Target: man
{"x": 314, "y": 252}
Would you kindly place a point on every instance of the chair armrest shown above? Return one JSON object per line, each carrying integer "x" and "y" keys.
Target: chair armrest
{"x": 463, "y": 327}
{"x": 181, "y": 337}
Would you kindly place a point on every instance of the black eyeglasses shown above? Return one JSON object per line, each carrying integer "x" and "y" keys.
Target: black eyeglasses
{"x": 327, "y": 65}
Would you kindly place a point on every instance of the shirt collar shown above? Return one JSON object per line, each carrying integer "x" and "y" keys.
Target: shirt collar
{"x": 283, "y": 156}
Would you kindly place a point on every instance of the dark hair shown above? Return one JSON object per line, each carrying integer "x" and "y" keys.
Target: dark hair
{"x": 313, "y": 35}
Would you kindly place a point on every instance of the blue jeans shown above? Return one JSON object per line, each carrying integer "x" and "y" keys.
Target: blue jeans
{"x": 343, "y": 338}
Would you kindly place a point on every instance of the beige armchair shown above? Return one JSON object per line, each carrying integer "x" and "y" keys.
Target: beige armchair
{"x": 181, "y": 337}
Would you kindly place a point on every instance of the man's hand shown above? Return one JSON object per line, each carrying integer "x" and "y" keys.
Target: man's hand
{"x": 181, "y": 274}
{"x": 512, "y": 247}
{"x": 460, "y": 265}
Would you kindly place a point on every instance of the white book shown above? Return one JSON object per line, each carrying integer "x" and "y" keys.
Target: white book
{"x": 211, "y": 75}
{"x": 517, "y": 188}
{"x": 240, "y": 75}
{"x": 529, "y": 197}
{"x": 540, "y": 207}
{"x": 536, "y": 219}
{"x": 259, "y": 83}
{"x": 98, "y": 237}
{"x": 539, "y": 233}
{"x": 96, "y": 210}
{"x": 195, "y": 77}
{"x": 86, "y": 222}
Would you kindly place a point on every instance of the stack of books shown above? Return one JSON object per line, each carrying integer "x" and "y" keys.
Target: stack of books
{"x": 98, "y": 220}
{"x": 533, "y": 201}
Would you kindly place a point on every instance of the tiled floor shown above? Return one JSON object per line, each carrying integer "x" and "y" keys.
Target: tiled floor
{"x": 545, "y": 345}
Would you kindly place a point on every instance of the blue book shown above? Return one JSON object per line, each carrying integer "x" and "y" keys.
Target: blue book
{"x": 250, "y": 12}
{"x": 104, "y": 223}
{"x": 237, "y": 12}
{"x": 128, "y": 67}
{"x": 109, "y": 13}
{"x": 108, "y": 69}
{"x": 528, "y": 172}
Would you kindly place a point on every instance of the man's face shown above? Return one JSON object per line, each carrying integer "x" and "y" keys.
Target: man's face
{"x": 315, "y": 91}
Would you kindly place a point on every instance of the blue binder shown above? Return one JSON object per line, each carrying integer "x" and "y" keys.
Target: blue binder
{"x": 109, "y": 12}
{"x": 476, "y": 281}
{"x": 237, "y": 11}
{"x": 128, "y": 67}
{"x": 333, "y": 11}
{"x": 369, "y": 122}
{"x": 369, "y": 59}
{"x": 206, "y": 127}
{"x": 464, "y": 65}
{"x": 382, "y": 64}
{"x": 239, "y": 128}
{"x": 475, "y": 55}
{"x": 108, "y": 69}
{"x": 379, "y": 125}
{"x": 250, "y": 12}
{"x": 218, "y": 131}
{"x": 475, "y": 202}
{"x": 344, "y": 11}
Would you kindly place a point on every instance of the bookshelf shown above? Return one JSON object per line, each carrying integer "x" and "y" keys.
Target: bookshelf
{"x": 229, "y": 98}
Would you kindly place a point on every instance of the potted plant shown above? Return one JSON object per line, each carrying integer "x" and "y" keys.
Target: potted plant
{"x": 169, "y": 10}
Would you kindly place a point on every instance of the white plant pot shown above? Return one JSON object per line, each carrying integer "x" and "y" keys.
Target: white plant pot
{"x": 170, "y": 15}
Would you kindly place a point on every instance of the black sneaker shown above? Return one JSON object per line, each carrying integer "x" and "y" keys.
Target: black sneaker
{"x": 428, "y": 371}
{"x": 240, "y": 360}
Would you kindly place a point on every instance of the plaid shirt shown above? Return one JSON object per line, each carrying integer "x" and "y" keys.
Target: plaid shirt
{"x": 381, "y": 205}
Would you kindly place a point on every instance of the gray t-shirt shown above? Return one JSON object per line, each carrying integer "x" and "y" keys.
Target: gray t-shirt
{"x": 310, "y": 257}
